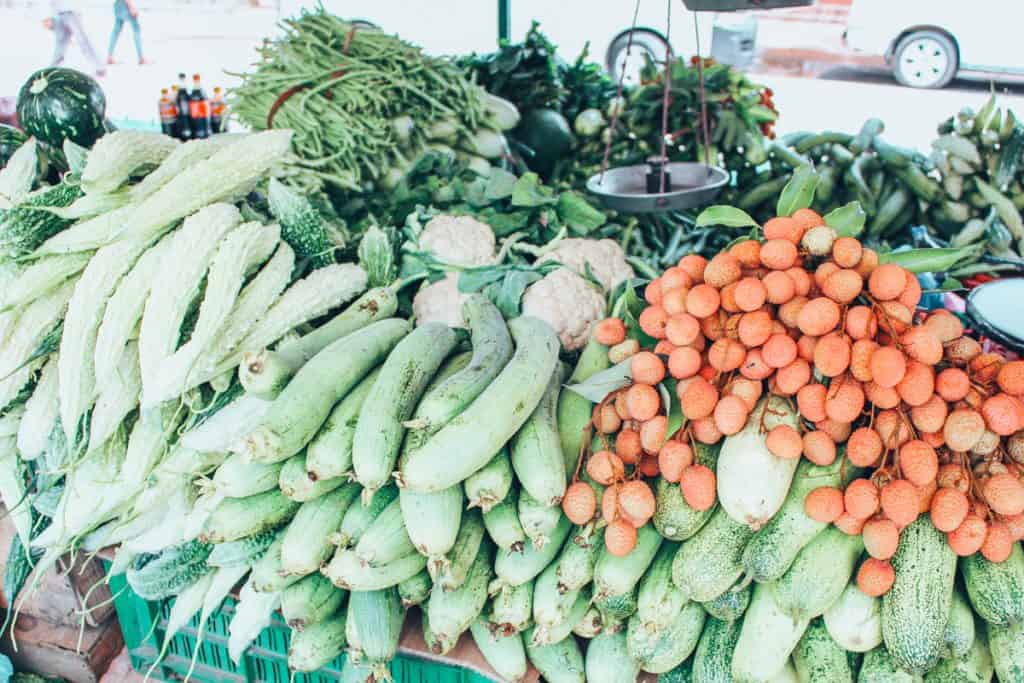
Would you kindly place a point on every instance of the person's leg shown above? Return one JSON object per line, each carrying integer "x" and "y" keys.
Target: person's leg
{"x": 137, "y": 36}
{"x": 115, "y": 34}
{"x": 78, "y": 29}
{"x": 61, "y": 38}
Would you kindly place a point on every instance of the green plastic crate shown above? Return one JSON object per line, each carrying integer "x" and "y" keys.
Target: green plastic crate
{"x": 266, "y": 660}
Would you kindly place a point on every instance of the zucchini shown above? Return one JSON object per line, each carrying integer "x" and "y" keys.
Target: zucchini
{"x": 880, "y": 667}
{"x": 515, "y": 568}
{"x": 535, "y": 450}
{"x": 819, "y": 574}
{"x": 391, "y": 401}
{"x": 609, "y": 661}
{"x": 709, "y": 563}
{"x": 310, "y": 601}
{"x": 712, "y": 662}
{"x": 618, "y": 575}
{"x": 538, "y": 518}
{"x": 819, "y": 659}
{"x": 563, "y": 629}
{"x": 773, "y": 549}
{"x": 346, "y": 571}
{"x": 550, "y": 605}
{"x": 432, "y": 520}
{"x": 854, "y": 620}
{"x": 503, "y": 526}
{"x": 452, "y": 572}
{"x": 358, "y": 518}
{"x": 386, "y": 539}
{"x": 577, "y": 559}
{"x": 1007, "y": 646}
{"x": 378, "y": 619}
{"x": 664, "y": 649}
{"x": 236, "y": 518}
{"x": 296, "y": 484}
{"x": 558, "y": 663}
{"x": 575, "y": 411}
{"x": 329, "y": 454}
{"x": 267, "y": 576}
{"x": 730, "y": 605}
{"x": 766, "y": 640}
{"x": 492, "y": 418}
{"x": 490, "y": 485}
{"x": 658, "y": 600}
{"x": 504, "y": 652}
{"x": 316, "y": 645}
{"x": 512, "y": 608}
{"x": 452, "y": 612}
{"x": 975, "y": 667}
{"x": 306, "y": 540}
{"x": 236, "y": 478}
{"x": 960, "y": 630}
{"x": 673, "y": 517}
{"x": 996, "y": 590}
{"x": 916, "y": 609}
{"x": 415, "y": 590}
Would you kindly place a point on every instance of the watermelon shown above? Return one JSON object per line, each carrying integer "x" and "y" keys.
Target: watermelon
{"x": 57, "y": 104}
{"x": 10, "y": 140}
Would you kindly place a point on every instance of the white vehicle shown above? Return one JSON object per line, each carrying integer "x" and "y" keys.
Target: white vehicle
{"x": 927, "y": 43}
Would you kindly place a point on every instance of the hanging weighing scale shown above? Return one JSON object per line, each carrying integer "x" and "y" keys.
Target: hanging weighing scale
{"x": 660, "y": 185}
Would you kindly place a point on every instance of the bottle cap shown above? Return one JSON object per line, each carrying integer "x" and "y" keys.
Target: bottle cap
{"x": 163, "y": 91}
{"x": 216, "y": 88}
{"x": 195, "y": 77}
{"x": 181, "y": 75}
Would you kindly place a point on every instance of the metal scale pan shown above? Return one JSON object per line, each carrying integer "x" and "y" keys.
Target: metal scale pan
{"x": 634, "y": 189}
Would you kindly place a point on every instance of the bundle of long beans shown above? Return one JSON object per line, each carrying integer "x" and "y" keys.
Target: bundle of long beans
{"x": 359, "y": 100}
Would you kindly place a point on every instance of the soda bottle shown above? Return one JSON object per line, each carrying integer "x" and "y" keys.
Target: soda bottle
{"x": 218, "y": 112}
{"x": 199, "y": 110}
{"x": 181, "y": 102}
{"x": 168, "y": 114}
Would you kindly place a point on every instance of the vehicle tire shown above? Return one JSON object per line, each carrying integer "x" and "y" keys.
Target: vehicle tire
{"x": 645, "y": 42}
{"x": 925, "y": 59}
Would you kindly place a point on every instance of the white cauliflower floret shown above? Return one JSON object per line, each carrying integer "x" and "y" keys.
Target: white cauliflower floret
{"x": 440, "y": 302}
{"x": 459, "y": 240}
{"x": 568, "y": 303}
{"x": 606, "y": 258}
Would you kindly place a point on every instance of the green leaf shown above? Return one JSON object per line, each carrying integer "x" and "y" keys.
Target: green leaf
{"x": 529, "y": 192}
{"x": 507, "y": 294}
{"x": 596, "y": 387}
{"x": 670, "y": 397}
{"x": 729, "y": 216}
{"x": 951, "y": 283}
{"x": 798, "y": 192}
{"x": 848, "y": 220}
{"x": 578, "y": 214}
{"x": 504, "y": 223}
{"x": 931, "y": 260}
{"x": 500, "y": 184}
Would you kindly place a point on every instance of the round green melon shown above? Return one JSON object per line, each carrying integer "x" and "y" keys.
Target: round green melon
{"x": 548, "y": 135}
{"x": 10, "y": 140}
{"x": 57, "y": 104}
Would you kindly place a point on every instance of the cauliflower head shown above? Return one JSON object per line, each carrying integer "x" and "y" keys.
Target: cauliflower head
{"x": 606, "y": 258}
{"x": 567, "y": 302}
{"x": 459, "y": 240}
{"x": 440, "y": 302}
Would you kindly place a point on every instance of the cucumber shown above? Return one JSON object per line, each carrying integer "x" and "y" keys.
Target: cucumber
{"x": 819, "y": 574}
{"x": 558, "y": 663}
{"x": 329, "y": 454}
{"x": 296, "y": 484}
{"x": 774, "y": 548}
{"x": 712, "y": 662}
{"x": 767, "y": 638}
{"x": 238, "y": 478}
{"x": 316, "y": 645}
{"x": 609, "y": 661}
{"x": 996, "y": 590}
{"x": 378, "y": 619}
{"x": 960, "y": 631}
{"x": 502, "y": 524}
{"x": 415, "y": 590}
{"x": 975, "y": 667}
{"x": 451, "y": 571}
{"x": 297, "y": 414}
{"x": 386, "y": 539}
{"x": 709, "y": 563}
{"x": 492, "y": 418}
{"x": 1007, "y": 646}
{"x": 267, "y": 576}
{"x": 575, "y": 411}
{"x": 392, "y": 399}
{"x": 358, "y": 518}
{"x": 355, "y": 652}
{"x": 535, "y": 450}
{"x": 880, "y": 667}
{"x": 619, "y": 575}
{"x": 730, "y": 605}
{"x": 664, "y": 649}
{"x": 578, "y": 557}
{"x": 673, "y": 517}
{"x": 306, "y": 540}
{"x": 538, "y": 518}
{"x": 616, "y": 609}
{"x": 752, "y": 483}
{"x": 819, "y": 659}
{"x": 855, "y": 620}
{"x": 512, "y": 608}
{"x": 515, "y": 568}
{"x": 346, "y": 571}
{"x": 236, "y": 518}
{"x": 916, "y": 609}
{"x": 550, "y": 605}
{"x": 590, "y": 625}
{"x": 310, "y": 601}
{"x": 658, "y": 600}
{"x": 452, "y": 612}
{"x": 432, "y": 520}
{"x": 563, "y": 629}
{"x": 490, "y": 485}
{"x": 504, "y": 652}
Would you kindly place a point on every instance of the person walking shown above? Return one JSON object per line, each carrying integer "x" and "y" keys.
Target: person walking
{"x": 125, "y": 11}
{"x": 67, "y": 25}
